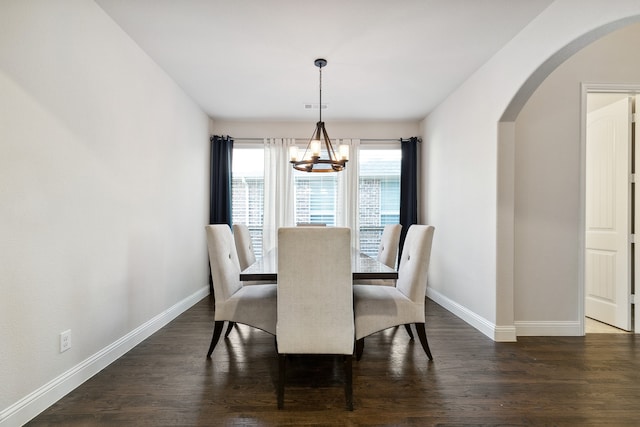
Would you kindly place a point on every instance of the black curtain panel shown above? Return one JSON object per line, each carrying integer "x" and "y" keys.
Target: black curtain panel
{"x": 220, "y": 196}
{"x": 408, "y": 187}
{"x": 220, "y": 200}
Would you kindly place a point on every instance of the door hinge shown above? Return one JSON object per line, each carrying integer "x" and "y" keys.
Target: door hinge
{"x": 632, "y": 178}
{"x": 632, "y": 238}
{"x": 634, "y": 117}
{"x": 632, "y": 298}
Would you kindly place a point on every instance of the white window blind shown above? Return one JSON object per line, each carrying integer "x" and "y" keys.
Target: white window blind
{"x": 315, "y": 197}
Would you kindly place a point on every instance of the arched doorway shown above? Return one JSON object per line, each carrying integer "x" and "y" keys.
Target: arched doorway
{"x": 550, "y": 198}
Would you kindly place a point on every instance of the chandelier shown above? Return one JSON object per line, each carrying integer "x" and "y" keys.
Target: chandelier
{"x": 311, "y": 160}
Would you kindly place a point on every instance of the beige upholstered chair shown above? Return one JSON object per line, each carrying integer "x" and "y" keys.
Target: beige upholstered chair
{"x": 250, "y": 305}
{"x": 381, "y": 307}
{"x": 242, "y": 237}
{"x": 388, "y": 249}
{"x": 315, "y": 297}
{"x": 246, "y": 255}
{"x": 387, "y": 254}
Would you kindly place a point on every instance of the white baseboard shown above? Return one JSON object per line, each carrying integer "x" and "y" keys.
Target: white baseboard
{"x": 496, "y": 333}
{"x": 507, "y": 333}
{"x": 34, "y": 403}
{"x": 549, "y": 329}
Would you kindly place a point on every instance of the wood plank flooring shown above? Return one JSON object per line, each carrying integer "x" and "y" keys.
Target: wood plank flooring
{"x": 550, "y": 381}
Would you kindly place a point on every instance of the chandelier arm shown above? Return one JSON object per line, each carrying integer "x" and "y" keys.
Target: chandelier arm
{"x": 327, "y": 143}
{"x": 314, "y": 135}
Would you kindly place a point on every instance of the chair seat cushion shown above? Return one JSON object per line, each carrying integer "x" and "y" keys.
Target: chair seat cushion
{"x": 381, "y": 307}
{"x": 252, "y": 305}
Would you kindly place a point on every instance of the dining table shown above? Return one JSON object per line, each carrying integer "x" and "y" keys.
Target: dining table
{"x": 362, "y": 265}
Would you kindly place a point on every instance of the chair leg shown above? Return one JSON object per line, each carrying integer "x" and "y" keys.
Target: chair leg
{"x": 229, "y": 328}
{"x": 217, "y": 331}
{"x": 422, "y": 334}
{"x": 407, "y": 326}
{"x": 281, "y": 376}
{"x": 359, "y": 348}
{"x": 348, "y": 381}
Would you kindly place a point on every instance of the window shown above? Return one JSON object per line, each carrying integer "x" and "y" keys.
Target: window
{"x": 316, "y": 194}
{"x": 379, "y": 190}
{"x": 315, "y": 197}
{"x": 247, "y": 189}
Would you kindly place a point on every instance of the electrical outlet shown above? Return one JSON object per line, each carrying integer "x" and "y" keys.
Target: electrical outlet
{"x": 65, "y": 340}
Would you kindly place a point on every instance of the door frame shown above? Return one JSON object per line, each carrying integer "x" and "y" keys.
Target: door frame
{"x": 585, "y": 89}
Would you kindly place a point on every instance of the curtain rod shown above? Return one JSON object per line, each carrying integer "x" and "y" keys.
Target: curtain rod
{"x": 361, "y": 139}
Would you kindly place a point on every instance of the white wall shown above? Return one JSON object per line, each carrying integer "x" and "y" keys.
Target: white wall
{"x": 548, "y": 178}
{"x": 470, "y": 164}
{"x": 103, "y": 189}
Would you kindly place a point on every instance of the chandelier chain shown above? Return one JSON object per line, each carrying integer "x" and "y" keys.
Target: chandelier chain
{"x": 320, "y": 106}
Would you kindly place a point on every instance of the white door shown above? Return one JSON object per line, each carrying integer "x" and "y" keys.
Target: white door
{"x": 608, "y": 214}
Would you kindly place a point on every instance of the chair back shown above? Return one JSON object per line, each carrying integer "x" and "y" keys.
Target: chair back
{"x": 414, "y": 262}
{"x": 388, "y": 249}
{"x": 242, "y": 238}
{"x": 223, "y": 258}
{"x": 315, "y": 291}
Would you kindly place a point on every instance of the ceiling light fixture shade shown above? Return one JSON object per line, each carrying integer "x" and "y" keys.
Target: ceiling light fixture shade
{"x": 311, "y": 160}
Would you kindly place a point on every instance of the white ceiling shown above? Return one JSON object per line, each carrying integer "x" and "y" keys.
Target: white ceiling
{"x": 387, "y": 60}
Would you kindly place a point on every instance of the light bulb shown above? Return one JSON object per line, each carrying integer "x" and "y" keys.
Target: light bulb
{"x": 315, "y": 148}
{"x": 344, "y": 152}
{"x": 293, "y": 153}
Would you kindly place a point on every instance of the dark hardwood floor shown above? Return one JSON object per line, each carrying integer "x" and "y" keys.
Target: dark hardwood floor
{"x": 167, "y": 381}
